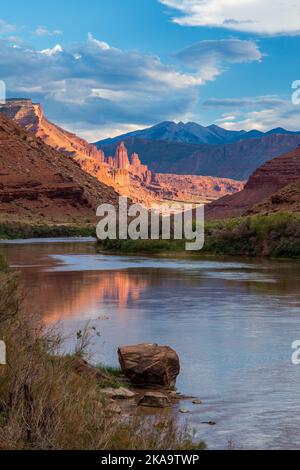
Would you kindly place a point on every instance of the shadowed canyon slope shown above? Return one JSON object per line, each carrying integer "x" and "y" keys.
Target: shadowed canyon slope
{"x": 128, "y": 176}
{"x": 37, "y": 183}
{"x": 272, "y": 187}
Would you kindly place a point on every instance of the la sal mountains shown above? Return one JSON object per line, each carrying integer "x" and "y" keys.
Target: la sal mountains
{"x": 197, "y": 150}
{"x": 193, "y": 133}
{"x": 124, "y": 169}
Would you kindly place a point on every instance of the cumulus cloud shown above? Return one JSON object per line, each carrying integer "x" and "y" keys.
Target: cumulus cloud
{"x": 270, "y": 17}
{"x": 101, "y": 44}
{"x": 98, "y": 85}
{"x": 262, "y": 113}
{"x": 210, "y": 56}
{"x": 52, "y": 51}
{"x": 44, "y": 31}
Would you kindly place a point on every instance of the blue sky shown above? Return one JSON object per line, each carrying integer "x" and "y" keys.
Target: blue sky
{"x": 126, "y": 64}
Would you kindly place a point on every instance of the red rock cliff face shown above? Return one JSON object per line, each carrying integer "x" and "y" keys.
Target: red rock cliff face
{"x": 30, "y": 116}
{"x": 37, "y": 183}
{"x": 265, "y": 181}
{"x": 121, "y": 158}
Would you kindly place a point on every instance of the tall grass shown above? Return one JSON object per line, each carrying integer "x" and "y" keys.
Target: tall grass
{"x": 275, "y": 235}
{"x": 48, "y": 402}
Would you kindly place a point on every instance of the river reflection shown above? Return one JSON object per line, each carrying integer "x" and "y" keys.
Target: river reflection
{"x": 232, "y": 323}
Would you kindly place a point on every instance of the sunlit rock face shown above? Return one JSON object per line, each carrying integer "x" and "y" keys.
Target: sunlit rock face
{"x": 111, "y": 162}
{"x": 121, "y": 177}
{"x": 139, "y": 170}
{"x": 31, "y": 117}
{"x": 121, "y": 158}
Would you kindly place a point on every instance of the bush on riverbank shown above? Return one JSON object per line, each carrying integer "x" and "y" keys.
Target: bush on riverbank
{"x": 274, "y": 235}
{"x": 47, "y": 402}
{"x": 15, "y": 230}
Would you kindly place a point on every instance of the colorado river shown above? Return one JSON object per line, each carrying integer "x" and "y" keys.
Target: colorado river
{"x": 232, "y": 323}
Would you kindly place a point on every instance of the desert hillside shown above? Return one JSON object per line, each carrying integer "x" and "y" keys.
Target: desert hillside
{"x": 272, "y": 187}
{"x": 37, "y": 183}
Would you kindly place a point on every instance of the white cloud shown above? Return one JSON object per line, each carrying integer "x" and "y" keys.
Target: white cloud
{"x": 96, "y": 133}
{"x": 15, "y": 40}
{"x": 112, "y": 95}
{"x": 55, "y": 50}
{"x": 281, "y": 114}
{"x": 101, "y": 44}
{"x": 210, "y": 56}
{"x": 44, "y": 31}
{"x": 267, "y": 101}
{"x": 226, "y": 118}
{"x": 99, "y": 86}
{"x": 6, "y": 28}
{"x": 174, "y": 79}
{"x": 253, "y": 16}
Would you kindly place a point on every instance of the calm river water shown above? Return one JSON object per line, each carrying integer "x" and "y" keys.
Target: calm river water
{"x": 232, "y": 323}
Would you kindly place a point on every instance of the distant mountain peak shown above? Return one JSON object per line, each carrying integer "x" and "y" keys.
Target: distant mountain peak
{"x": 193, "y": 133}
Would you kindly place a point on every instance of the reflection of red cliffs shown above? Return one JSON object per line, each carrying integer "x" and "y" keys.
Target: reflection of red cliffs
{"x": 118, "y": 287}
{"x": 265, "y": 183}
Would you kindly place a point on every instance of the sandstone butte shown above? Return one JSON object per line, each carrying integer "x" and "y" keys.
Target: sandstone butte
{"x": 129, "y": 177}
{"x": 273, "y": 187}
{"x": 40, "y": 184}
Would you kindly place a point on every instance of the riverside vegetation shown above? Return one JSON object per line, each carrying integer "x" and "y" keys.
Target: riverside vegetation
{"x": 49, "y": 401}
{"x": 272, "y": 235}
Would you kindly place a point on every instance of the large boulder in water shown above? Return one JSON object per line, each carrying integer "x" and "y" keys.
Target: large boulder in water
{"x": 150, "y": 365}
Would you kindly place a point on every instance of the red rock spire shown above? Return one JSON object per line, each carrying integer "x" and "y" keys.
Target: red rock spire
{"x": 121, "y": 159}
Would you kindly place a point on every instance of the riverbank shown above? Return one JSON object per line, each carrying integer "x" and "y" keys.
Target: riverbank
{"x": 10, "y": 230}
{"x": 49, "y": 401}
{"x": 273, "y": 236}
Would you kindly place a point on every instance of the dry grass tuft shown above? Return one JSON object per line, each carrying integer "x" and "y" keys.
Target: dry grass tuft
{"x": 45, "y": 403}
